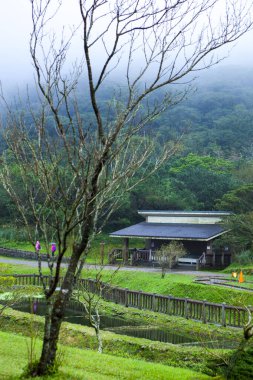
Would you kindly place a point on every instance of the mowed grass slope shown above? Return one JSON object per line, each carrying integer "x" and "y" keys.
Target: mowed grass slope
{"x": 86, "y": 365}
{"x": 177, "y": 285}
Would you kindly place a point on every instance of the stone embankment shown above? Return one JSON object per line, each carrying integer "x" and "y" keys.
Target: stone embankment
{"x": 20, "y": 254}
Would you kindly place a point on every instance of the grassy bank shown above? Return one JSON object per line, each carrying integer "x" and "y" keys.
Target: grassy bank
{"x": 197, "y": 330}
{"x": 85, "y": 365}
{"x": 195, "y": 358}
{"x": 176, "y": 285}
{"x": 173, "y": 284}
{"x": 246, "y": 268}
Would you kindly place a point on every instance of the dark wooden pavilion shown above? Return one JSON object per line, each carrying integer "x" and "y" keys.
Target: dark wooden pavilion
{"x": 195, "y": 229}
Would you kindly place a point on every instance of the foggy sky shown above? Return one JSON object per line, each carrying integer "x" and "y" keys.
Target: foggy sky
{"x": 15, "y": 26}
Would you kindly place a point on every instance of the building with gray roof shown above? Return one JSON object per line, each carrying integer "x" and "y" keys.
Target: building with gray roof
{"x": 195, "y": 229}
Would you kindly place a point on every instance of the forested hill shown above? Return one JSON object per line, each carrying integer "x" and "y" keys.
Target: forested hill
{"x": 214, "y": 167}
{"x": 218, "y": 117}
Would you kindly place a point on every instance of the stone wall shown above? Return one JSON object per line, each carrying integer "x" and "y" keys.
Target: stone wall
{"x": 19, "y": 254}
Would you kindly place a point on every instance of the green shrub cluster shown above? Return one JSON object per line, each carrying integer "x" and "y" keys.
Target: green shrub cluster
{"x": 5, "y": 268}
{"x": 6, "y": 282}
{"x": 244, "y": 258}
{"x": 241, "y": 365}
{"x": 12, "y": 233}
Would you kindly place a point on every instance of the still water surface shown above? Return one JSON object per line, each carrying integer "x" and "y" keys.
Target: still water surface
{"x": 121, "y": 326}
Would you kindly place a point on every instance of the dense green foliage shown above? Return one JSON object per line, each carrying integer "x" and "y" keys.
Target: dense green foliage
{"x": 241, "y": 364}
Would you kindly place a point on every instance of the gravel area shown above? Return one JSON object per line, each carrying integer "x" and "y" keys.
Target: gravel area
{"x": 113, "y": 267}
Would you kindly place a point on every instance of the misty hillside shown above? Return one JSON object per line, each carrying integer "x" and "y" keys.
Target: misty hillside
{"x": 216, "y": 159}
{"x": 216, "y": 153}
{"x": 217, "y": 117}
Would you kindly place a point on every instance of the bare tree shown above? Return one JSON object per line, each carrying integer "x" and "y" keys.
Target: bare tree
{"x": 66, "y": 172}
{"x": 169, "y": 254}
{"x": 91, "y": 300}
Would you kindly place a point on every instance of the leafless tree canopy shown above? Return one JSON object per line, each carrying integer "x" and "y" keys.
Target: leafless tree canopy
{"x": 66, "y": 172}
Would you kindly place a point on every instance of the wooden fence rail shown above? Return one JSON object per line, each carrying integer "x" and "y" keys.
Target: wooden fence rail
{"x": 207, "y": 312}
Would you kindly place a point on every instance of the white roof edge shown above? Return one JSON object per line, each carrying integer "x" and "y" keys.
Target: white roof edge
{"x": 183, "y": 213}
{"x": 162, "y": 238}
{"x": 171, "y": 238}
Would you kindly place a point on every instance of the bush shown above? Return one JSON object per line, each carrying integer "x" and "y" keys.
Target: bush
{"x": 5, "y": 269}
{"x": 6, "y": 283}
{"x": 13, "y": 234}
{"x": 241, "y": 365}
{"x": 244, "y": 258}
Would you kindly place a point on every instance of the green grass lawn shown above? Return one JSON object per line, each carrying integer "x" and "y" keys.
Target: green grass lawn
{"x": 86, "y": 365}
{"x": 21, "y": 268}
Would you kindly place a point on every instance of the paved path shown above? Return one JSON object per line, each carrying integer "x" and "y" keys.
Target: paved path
{"x": 34, "y": 264}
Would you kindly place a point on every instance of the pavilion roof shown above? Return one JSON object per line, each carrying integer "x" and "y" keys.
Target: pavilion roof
{"x": 171, "y": 231}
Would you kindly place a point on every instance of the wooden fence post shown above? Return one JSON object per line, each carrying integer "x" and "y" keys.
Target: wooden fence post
{"x": 204, "y": 312}
{"x": 223, "y": 314}
{"x": 154, "y": 302}
{"x": 126, "y": 297}
{"x": 186, "y": 308}
{"x": 139, "y": 299}
{"x": 169, "y": 303}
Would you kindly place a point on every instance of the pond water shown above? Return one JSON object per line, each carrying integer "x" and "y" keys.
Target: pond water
{"x": 153, "y": 333}
{"x": 121, "y": 326}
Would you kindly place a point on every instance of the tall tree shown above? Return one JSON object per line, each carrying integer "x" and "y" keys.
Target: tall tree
{"x": 207, "y": 178}
{"x": 72, "y": 176}
{"x": 239, "y": 200}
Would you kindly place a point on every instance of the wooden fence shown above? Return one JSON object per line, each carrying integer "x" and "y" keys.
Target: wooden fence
{"x": 207, "y": 312}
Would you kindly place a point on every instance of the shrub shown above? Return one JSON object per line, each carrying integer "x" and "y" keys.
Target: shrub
{"x": 244, "y": 258}
{"x": 241, "y": 365}
{"x": 6, "y": 283}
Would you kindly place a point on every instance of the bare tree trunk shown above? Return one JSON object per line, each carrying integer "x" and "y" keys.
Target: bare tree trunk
{"x": 99, "y": 339}
{"x": 54, "y": 318}
{"x": 51, "y": 333}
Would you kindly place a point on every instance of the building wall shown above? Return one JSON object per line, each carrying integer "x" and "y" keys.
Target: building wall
{"x": 183, "y": 219}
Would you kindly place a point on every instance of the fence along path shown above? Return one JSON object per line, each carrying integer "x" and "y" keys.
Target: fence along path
{"x": 207, "y": 312}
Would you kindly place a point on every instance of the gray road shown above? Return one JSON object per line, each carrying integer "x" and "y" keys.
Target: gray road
{"x": 34, "y": 264}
